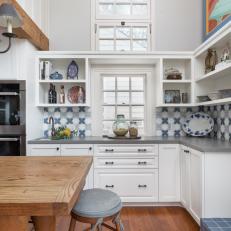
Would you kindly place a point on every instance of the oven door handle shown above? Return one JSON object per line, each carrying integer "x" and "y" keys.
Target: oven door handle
{"x": 9, "y": 139}
{"x": 8, "y": 93}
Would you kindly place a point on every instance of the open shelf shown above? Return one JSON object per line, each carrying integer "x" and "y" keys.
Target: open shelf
{"x": 176, "y": 105}
{"x": 224, "y": 71}
{"x": 62, "y": 105}
{"x": 177, "y": 81}
{"x": 63, "y": 81}
{"x": 215, "y": 102}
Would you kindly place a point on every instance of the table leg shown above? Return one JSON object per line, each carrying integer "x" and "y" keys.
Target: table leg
{"x": 44, "y": 223}
{"x": 12, "y": 223}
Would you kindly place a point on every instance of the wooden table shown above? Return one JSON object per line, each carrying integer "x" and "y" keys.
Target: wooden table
{"x": 40, "y": 188}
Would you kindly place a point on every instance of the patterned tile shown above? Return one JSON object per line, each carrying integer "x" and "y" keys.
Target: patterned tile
{"x": 73, "y": 118}
{"x": 220, "y": 113}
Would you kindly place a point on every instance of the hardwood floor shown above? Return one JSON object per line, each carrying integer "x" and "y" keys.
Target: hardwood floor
{"x": 147, "y": 219}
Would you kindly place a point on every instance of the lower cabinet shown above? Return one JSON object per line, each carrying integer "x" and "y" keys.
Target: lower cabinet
{"x": 129, "y": 170}
{"x": 191, "y": 181}
{"x": 132, "y": 185}
{"x": 65, "y": 150}
{"x": 44, "y": 150}
{"x": 169, "y": 173}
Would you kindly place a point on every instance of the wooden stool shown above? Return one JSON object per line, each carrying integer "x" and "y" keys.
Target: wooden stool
{"x": 95, "y": 206}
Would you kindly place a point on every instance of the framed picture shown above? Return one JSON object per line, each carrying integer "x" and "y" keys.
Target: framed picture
{"x": 172, "y": 96}
{"x": 216, "y": 14}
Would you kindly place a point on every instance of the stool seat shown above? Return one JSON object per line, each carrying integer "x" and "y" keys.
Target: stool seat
{"x": 97, "y": 203}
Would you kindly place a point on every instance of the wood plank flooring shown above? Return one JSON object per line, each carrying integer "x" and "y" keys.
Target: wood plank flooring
{"x": 147, "y": 219}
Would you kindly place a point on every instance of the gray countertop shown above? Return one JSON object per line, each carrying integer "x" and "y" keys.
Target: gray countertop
{"x": 200, "y": 144}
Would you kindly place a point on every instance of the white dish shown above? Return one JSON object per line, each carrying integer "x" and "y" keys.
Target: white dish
{"x": 198, "y": 124}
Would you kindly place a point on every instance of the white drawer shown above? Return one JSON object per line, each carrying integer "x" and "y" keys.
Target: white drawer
{"x": 44, "y": 150}
{"x": 76, "y": 150}
{"x": 126, "y": 149}
{"x": 129, "y": 183}
{"x": 102, "y": 162}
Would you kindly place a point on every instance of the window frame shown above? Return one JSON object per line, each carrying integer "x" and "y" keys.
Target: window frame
{"x": 116, "y": 24}
{"x": 100, "y": 21}
{"x": 97, "y": 99}
{"x": 124, "y": 17}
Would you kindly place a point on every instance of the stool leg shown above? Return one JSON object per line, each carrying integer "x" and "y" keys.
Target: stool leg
{"x": 72, "y": 224}
{"x": 118, "y": 223}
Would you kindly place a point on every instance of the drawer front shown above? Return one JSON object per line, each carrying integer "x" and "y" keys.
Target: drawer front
{"x": 102, "y": 162}
{"x": 44, "y": 150}
{"x": 126, "y": 149}
{"x": 128, "y": 183}
{"x": 76, "y": 150}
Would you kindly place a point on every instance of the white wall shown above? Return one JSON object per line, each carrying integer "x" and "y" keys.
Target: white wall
{"x": 178, "y": 24}
{"x": 69, "y": 25}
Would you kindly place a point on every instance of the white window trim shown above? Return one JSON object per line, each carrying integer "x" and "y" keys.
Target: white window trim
{"x": 150, "y": 21}
{"x": 97, "y": 100}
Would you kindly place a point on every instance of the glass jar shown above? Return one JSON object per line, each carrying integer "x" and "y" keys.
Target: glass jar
{"x": 120, "y": 126}
{"x": 133, "y": 129}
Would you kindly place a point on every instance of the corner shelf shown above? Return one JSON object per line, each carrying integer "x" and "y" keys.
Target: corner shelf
{"x": 215, "y": 102}
{"x": 176, "y": 105}
{"x": 177, "y": 81}
{"x": 62, "y": 105}
{"x": 63, "y": 81}
{"x": 224, "y": 71}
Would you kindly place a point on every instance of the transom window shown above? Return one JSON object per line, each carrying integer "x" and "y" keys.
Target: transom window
{"x": 123, "y": 38}
{"x": 123, "y": 95}
{"x": 122, "y": 25}
{"x": 123, "y": 8}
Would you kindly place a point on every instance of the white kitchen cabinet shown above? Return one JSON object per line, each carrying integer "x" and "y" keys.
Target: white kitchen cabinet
{"x": 130, "y": 184}
{"x": 196, "y": 163}
{"x": 129, "y": 170}
{"x": 80, "y": 150}
{"x": 44, "y": 150}
{"x": 185, "y": 175}
{"x": 65, "y": 150}
{"x": 169, "y": 173}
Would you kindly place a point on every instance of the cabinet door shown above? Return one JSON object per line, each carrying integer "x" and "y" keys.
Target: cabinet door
{"x": 44, "y": 150}
{"x": 196, "y": 183}
{"x": 169, "y": 173}
{"x": 185, "y": 177}
{"x": 80, "y": 150}
{"x": 131, "y": 185}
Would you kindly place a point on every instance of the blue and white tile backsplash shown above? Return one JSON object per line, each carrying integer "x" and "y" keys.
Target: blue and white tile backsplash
{"x": 73, "y": 118}
{"x": 169, "y": 120}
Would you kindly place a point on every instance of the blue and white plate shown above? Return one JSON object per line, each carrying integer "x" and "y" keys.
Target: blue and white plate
{"x": 198, "y": 124}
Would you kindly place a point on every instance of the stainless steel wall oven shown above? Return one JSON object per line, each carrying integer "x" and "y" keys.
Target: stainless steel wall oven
{"x": 12, "y": 118}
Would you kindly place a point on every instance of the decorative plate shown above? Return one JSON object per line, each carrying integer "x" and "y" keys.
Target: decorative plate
{"x": 198, "y": 124}
{"x": 73, "y": 94}
{"x": 72, "y": 70}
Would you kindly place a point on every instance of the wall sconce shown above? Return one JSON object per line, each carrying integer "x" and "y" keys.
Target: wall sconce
{"x": 9, "y": 18}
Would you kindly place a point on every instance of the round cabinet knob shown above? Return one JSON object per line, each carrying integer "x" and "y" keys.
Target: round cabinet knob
{"x": 90, "y": 148}
{"x": 57, "y": 148}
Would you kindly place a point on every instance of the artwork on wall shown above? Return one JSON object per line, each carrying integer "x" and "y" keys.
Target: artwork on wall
{"x": 217, "y": 14}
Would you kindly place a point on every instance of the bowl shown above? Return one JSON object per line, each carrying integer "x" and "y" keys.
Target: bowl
{"x": 215, "y": 95}
{"x": 226, "y": 93}
{"x": 203, "y": 98}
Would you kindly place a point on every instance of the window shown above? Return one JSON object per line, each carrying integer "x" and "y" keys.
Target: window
{"x": 123, "y": 38}
{"x": 122, "y": 8}
{"x": 121, "y": 25}
{"x": 125, "y": 95}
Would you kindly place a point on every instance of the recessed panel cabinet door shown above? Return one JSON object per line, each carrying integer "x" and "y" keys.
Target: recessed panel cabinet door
{"x": 196, "y": 183}
{"x": 169, "y": 173}
{"x": 185, "y": 176}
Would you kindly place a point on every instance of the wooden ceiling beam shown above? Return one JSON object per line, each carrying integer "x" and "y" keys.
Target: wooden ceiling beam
{"x": 29, "y": 30}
